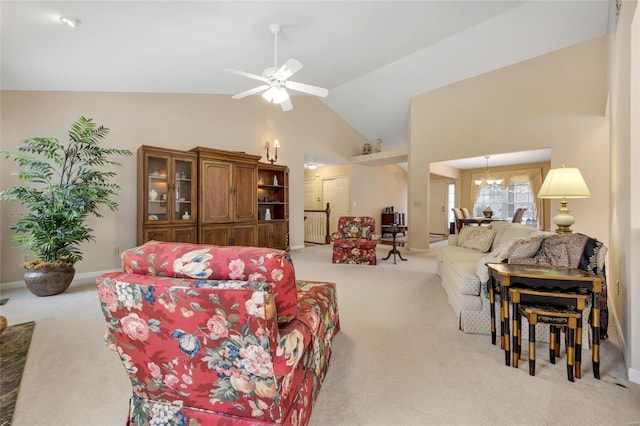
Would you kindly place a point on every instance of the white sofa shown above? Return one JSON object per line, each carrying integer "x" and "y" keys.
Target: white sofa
{"x": 461, "y": 265}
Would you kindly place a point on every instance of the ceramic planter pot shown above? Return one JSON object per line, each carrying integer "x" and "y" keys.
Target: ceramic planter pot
{"x": 49, "y": 281}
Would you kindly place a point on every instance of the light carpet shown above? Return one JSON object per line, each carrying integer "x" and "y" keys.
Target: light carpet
{"x": 399, "y": 360}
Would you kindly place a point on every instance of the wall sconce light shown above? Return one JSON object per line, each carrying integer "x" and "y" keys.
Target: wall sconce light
{"x": 276, "y": 145}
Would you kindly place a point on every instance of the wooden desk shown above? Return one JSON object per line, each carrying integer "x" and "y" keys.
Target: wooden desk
{"x": 475, "y": 221}
{"x": 504, "y": 275}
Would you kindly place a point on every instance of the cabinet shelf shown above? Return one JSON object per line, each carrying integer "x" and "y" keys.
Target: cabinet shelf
{"x": 271, "y": 186}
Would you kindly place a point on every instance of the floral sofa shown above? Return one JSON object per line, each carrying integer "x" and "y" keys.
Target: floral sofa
{"x": 462, "y": 267}
{"x": 355, "y": 240}
{"x": 218, "y": 335}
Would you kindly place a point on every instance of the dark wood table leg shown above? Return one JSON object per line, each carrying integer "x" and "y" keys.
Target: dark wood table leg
{"x": 516, "y": 335}
{"x": 596, "y": 336}
{"x": 578, "y": 362}
{"x": 492, "y": 309}
{"x": 504, "y": 294}
{"x": 571, "y": 329}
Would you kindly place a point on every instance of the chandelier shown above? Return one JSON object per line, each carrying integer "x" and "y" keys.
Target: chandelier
{"x": 486, "y": 181}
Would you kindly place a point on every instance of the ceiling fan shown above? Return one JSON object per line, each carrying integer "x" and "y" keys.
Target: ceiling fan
{"x": 276, "y": 80}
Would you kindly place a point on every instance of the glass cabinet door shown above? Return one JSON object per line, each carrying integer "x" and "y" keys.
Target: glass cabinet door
{"x": 157, "y": 188}
{"x": 184, "y": 191}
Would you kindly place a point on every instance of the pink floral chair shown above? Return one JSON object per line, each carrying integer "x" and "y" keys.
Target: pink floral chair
{"x": 218, "y": 335}
{"x": 355, "y": 241}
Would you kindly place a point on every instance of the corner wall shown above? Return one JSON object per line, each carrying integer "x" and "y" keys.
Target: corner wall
{"x": 555, "y": 101}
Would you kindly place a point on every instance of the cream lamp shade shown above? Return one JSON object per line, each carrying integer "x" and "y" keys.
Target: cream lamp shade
{"x": 563, "y": 183}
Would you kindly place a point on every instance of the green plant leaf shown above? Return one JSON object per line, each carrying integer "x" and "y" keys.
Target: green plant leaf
{"x": 65, "y": 185}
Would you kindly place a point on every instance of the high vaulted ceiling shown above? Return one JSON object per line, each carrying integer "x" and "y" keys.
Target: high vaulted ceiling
{"x": 373, "y": 56}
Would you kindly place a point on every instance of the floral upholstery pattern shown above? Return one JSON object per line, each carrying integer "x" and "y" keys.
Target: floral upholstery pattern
{"x": 355, "y": 241}
{"x": 253, "y": 264}
{"x": 209, "y": 352}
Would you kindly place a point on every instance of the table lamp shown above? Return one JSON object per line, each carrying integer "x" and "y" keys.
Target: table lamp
{"x": 563, "y": 183}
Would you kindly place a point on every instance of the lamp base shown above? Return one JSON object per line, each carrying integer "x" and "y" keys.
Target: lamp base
{"x": 563, "y": 219}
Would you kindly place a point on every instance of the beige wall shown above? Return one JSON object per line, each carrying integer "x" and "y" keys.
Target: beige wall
{"x": 168, "y": 120}
{"x": 624, "y": 249}
{"x": 553, "y": 101}
{"x": 372, "y": 187}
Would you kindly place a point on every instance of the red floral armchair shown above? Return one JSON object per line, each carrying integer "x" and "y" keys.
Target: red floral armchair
{"x": 218, "y": 335}
{"x": 355, "y": 241}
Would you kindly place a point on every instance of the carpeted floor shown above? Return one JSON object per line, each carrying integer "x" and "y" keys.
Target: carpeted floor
{"x": 14, "y": 345}
{"x": 399, "y": 359}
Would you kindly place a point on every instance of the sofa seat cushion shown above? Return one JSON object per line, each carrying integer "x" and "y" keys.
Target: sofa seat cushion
{"x": 355, "y": 242}
{"x": 199, "y": 261}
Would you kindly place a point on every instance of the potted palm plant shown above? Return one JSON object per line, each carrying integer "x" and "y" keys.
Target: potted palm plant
{"x": 66, "y": 183}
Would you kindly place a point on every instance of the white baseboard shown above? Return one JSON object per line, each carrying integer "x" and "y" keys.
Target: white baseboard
{"x": 78, "y": 279}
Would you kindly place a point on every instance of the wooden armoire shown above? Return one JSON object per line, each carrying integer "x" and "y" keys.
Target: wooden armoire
{"x": 212, "y": 196}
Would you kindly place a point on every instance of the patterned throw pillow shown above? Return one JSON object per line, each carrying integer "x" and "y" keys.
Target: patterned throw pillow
{"x": 366, "y": 232}
{"x": 207, "y": 262}
{"x": 463, "y": 234}
{"x": 528, "y": 246}
{"x": 479, "y": 239}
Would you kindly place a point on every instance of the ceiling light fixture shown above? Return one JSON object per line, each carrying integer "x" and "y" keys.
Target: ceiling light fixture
{"x": 72, "y": 22}
{"x": 311, "y": 166}
{"x": 486, "y": 180}
{"x": 276, "y": 94}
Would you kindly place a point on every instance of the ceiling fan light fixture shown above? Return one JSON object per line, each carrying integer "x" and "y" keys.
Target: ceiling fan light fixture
{"x": 277, "y": 95}
{"x": 72, "y": 22}
{"x": 280, "y": 96}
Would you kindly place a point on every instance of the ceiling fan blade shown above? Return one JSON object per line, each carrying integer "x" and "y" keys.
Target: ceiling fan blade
{"x": 307, "y": 88}
{"x": 289, "y": 68}
{"x": 286, "y": 105}
{"x": 247, "y": 74}
{"x": 251, "y": 92}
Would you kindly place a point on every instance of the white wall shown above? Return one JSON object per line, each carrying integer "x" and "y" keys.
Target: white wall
{"x": 624, "y": 250}
{"x": 176, "y": 121}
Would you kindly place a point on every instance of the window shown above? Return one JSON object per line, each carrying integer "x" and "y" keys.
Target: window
{"x": 505, "y": 201}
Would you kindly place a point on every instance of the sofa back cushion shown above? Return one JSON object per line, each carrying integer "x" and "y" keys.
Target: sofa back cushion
{"x": 207, "y": 262}
{"x": 476, "y": 237}
{"x": 513, "y": 231}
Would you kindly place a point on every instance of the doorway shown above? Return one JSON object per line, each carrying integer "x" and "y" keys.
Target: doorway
{"x": 336, "y": 191}
{"x": 438, "y": 207}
